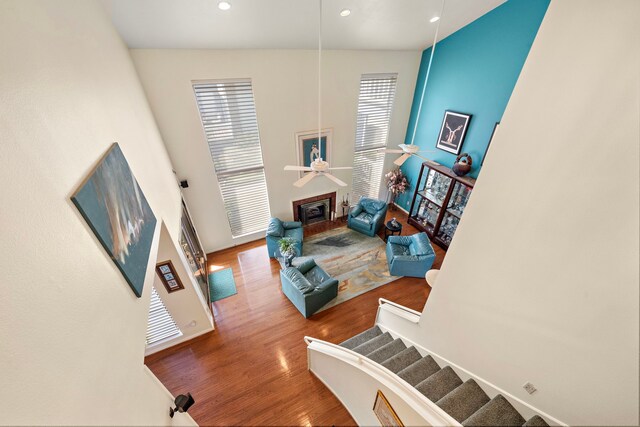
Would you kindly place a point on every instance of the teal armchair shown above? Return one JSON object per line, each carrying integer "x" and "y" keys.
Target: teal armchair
{"x": 308, "y": 287}
{"x": 278, "y": 229}
{"x": 410, "y": 255}
{"x": 367, "y": 216}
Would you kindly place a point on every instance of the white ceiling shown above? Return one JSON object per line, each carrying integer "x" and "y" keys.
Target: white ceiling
{"x": 290, "y": 24}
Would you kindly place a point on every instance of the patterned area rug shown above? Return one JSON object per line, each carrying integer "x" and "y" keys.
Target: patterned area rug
{"x": 356, "y": 260}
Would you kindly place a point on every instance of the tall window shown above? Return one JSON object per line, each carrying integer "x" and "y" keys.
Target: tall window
{"x": 375, "y": 103}
{"x": 230, "y": 124}
{"x": 161, "y": 325}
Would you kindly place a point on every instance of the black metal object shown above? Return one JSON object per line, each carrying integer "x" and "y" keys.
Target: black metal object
{"x": 183, "y": 403}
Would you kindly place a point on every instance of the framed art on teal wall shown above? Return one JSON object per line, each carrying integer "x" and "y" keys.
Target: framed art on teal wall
{"x": 453, "y": 130}
{"x": 113, "y": 205}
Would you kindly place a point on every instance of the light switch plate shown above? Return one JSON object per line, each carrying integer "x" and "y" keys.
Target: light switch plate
{"x": 530, "y": 388}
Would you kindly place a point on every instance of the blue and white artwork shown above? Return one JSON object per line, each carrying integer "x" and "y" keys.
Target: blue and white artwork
{"x": 111, "y": 202}
{"x": 309, "y": 149}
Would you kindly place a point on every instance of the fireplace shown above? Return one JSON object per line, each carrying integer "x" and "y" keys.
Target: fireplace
{"x": 314, "y": 209}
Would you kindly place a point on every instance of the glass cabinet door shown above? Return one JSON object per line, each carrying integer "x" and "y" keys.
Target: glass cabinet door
{"x": 459, "y": 199}
{"x": 435, "y": 187}
{"x": 426, "y": 213}
{"x": 448, "y": 228}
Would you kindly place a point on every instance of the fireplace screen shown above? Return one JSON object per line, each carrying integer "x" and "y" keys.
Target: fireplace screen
{"x": 314, "y": 211}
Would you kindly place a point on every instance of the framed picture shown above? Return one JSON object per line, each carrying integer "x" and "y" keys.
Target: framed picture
{"x": 113, "y": 205}
{"x": 453, "y": 130}
{"x": 385, "y": 413}
{"x": 495, "y": 128}
{"x": 168, "y": 276}
{"x": 309, "y": 148}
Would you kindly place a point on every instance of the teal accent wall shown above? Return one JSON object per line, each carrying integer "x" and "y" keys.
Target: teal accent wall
{"x": 473, "y": 71}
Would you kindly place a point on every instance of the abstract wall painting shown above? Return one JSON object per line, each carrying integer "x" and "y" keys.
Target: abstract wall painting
{"x": 453, "y": 130}
{"x": 309, "y": 149}
{"x": 112, "y": 204}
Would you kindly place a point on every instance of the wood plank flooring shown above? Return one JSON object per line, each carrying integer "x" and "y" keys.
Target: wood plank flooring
{"x": 252, "y": 370}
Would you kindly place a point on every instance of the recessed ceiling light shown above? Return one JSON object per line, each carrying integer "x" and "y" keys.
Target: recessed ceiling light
{"x": 345, "y": 12}
{"x": 224, "y": 5}
{"x": 434, "y": 19}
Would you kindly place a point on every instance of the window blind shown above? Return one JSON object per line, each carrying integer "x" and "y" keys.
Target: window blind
{"x": 228, "y": 114}
{"x": 161, "y": 325}
{"x": 375, "y": 104}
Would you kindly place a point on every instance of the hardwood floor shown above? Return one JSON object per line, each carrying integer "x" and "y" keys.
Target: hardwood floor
{"x": 252, "y": 370}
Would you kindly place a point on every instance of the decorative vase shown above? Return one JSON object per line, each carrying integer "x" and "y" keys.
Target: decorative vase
{"x": 462, "y": 165}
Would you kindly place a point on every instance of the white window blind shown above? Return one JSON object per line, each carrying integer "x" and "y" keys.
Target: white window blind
{"x": 161, "y": 325}
{"x": 375, "y": 103}
{"x": 228, "y": 114}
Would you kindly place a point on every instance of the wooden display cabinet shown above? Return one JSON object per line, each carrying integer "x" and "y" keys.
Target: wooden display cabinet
{"x": 439, "y": 201}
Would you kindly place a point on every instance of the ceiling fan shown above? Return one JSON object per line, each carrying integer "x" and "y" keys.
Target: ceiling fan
{"x": 318, "y": 166}
{"x": 408, "y": 150}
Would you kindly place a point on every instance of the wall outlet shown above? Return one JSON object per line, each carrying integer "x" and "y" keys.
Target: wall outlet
{"x": 530, "y": 388}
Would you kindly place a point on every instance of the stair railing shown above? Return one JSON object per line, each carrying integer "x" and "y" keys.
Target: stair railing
{"x": 431, "y": 412}
{"x": 414, "y": 316}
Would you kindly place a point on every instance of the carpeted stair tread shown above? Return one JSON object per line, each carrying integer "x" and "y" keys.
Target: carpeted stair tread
{"x": 419, "y": 371}
{"x": 464, "y": 400}
{"x": 498, "y": 412}
{"x": 373, "y": 344}
{"x": 387, "y": 351}
{"x": 403, "y": 359}
{"x": 361, "y": 338}
{"x": 536, "y": 421}
{"x": 439, "y": 384}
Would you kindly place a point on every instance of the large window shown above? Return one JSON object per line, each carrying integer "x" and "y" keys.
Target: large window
{"x": 375, "y": 104}
{"x": 230, "y": 124}
{"x": 161, "y": 325}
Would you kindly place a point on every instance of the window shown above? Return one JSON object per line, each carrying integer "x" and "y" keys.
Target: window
{"x": 230, "y": 124}
{"x": 161, "y": 325}
{"x": 375, "y": 103}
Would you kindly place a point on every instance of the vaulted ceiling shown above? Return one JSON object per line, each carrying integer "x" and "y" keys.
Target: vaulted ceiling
{"x": 290, "y": 24}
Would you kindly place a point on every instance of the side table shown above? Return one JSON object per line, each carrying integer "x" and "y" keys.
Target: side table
{"x": 390, "y": 229}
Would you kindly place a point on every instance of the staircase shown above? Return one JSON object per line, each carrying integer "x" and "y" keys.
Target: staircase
{"x": 465, "y": 401}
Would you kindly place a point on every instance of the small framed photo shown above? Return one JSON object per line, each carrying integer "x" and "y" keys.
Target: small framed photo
{"x": 385, "y": 413}
{"x": 168, "y": 276}
{"x": 310, "y": 147}
{"x": 453, "y": 130}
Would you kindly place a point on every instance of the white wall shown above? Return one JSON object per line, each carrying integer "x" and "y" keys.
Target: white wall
{"x": 72, "y": 333}
{"x": 285, "y": 91}
{"x": 541, "y": 281}
{"x": 191, "y": 319}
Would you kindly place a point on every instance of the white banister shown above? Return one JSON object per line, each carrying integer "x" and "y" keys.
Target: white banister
{"x": 431, "y": 412}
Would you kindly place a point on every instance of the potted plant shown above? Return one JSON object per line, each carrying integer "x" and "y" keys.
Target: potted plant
{"x": 397, "y": 183}
{"x": 288, "y": 250}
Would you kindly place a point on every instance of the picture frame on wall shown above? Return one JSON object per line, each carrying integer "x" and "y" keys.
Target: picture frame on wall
{"x": 385, "y": 413}
{"x": 308, "y": 148}
{"x": 452, "y": 132}
{"x": 486, "y": 151}
{"x": 168, "y": 276}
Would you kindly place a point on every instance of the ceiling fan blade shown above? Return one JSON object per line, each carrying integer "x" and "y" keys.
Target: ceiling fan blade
{"x": 297, "y": 168}
{"x": 393, "y": 151}
{"x": 334, "y": 179}
{"x": 340, "y": 168}
{"x": 308, "y": 177}
{"x": 400, "y": 160}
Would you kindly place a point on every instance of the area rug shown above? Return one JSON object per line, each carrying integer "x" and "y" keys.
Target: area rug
{"x": 356, "y": 260}
{"x": 221, "y": 284}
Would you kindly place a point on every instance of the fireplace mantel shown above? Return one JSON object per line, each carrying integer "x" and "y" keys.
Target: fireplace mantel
{"x": 297, "y": 203}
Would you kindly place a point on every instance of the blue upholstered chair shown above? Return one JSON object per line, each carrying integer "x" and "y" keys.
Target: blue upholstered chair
{"x": 410, "y": 255}
{"x": 367, "y": 216}
{"x": 308, "y": 286}
{"x": 277, "y": 230}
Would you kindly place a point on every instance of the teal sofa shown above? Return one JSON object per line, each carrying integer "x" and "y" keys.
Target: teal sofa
{"x": 278, "y": 229}
{"x": 367, "y": 216}
{"x": 308, "y": 286}
{"x": 410, "y": 255}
